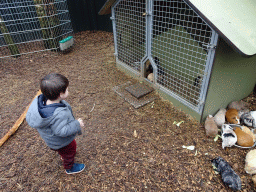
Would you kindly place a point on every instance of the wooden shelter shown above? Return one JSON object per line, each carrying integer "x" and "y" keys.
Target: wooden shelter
{"x": 202, "y": 51}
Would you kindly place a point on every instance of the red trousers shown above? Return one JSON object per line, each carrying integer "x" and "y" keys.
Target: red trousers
{"x": 68, "y": 154}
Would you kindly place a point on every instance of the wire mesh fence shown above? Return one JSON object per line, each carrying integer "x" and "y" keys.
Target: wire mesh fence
{"x": 178, "y": 40}
{"x": 130, "y": 33}
{"x": 29, "y": 26}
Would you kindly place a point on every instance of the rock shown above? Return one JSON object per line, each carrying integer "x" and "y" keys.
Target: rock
{"x": 250, "y": 162}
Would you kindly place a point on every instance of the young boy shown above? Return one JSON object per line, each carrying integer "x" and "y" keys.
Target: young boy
{"x": 52, "y": 116}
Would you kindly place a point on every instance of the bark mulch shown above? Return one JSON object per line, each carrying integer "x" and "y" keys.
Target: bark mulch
{"x": 124, "y": 149}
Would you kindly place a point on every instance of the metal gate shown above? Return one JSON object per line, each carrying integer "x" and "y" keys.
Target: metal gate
{"x": 130, "y": 32}
{"x": 174, "y": 38}
{"x": 32, "y": 26}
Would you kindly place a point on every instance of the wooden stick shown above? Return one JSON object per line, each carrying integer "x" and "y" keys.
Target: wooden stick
{"x": 17, "y": 123}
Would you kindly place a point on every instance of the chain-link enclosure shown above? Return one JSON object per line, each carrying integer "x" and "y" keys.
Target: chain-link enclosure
{"x": 130, "y": 34}
{"x": 170, "y": 34}
{"x": 32, "y": 26}
{"x": 179, "y": 45}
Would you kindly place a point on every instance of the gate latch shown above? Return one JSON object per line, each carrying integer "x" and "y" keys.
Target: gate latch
{"x": 201, "y": 102}
{"x": 147, "y": 13}
{"x": 211, "y": 46}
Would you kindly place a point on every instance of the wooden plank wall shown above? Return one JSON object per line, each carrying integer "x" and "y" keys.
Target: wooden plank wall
{"x": 84, "y": 15}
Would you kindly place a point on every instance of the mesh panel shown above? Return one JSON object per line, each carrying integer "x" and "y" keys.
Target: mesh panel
{"x": 130, "y": 20}
{"x": 180, "y": 40}
{"x": 28, "y": 26}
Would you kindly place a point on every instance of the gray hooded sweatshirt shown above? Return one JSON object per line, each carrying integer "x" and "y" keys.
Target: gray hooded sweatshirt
{"x": 59, "y": 129}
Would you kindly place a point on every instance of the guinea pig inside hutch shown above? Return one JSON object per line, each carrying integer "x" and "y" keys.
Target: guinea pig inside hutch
{"x": 149, "y": 69}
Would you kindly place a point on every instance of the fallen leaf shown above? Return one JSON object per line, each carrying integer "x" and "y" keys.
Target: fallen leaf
{"x": 152, "y": 106}
{"x": 135, "y": 133}
{"x": 178, "y": 124}
{"x": 189, "y": 147}
{"x": 216, "y": 138}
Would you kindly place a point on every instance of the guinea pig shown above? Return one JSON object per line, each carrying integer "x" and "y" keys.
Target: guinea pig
{"x": 248, "y": 131}
{"x": 239, "y": 105}
{"x": 211, "y": 128}
{"x": 228, "y": 136}
{"x": 243, "y": 139}
{"x": 151, "y": 77}
{"x": 247, "y": 119}
{"x": 253, "y": 114}
{"x": 228, "y": 175}
{"x": 250, "y": 162}
{"x": 232, "y": 116}
{"x": 149, "y": 68}
{"x": 220, "y": 117}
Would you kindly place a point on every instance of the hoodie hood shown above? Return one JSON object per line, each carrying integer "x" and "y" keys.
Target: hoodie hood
{"x": 33, "y": 117}
{"x": 47, "y": 110}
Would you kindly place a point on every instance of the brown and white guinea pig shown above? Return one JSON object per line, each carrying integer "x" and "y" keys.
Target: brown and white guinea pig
{"x": 211, "y": 128}
{"x": 232, "y": 116}
{"x": 243, "y": 139}
{"x": 241, "y": 106}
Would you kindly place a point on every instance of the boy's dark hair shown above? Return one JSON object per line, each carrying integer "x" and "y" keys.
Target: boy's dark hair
{"x": 53, "y": 84}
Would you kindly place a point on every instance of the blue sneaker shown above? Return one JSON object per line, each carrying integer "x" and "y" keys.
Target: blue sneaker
{"x": 77, "y": 168}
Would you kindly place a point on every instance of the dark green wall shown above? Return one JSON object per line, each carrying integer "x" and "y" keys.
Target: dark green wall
{"x": 84, "y": 15}
{"x": 233, "y": 78}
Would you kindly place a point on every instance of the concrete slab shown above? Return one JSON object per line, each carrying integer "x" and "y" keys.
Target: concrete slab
{"x": 135, "y": 102}
{"x": 139, "y": 90}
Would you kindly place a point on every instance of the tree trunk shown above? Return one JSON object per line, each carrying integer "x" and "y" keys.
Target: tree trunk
{"x": 49, "y": 22}
{"x": 8, "y": 39}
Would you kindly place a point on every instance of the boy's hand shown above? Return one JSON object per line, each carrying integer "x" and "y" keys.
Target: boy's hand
{"x": 81, "y": 122}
